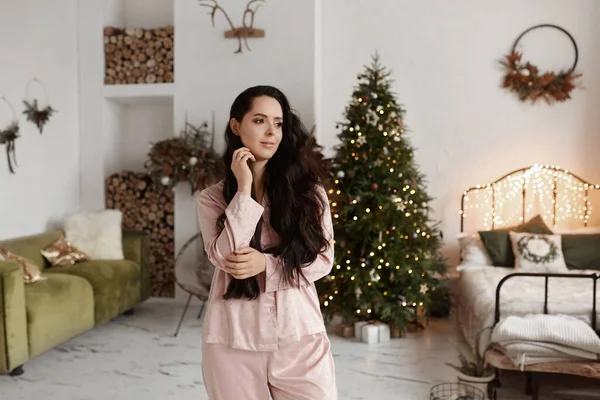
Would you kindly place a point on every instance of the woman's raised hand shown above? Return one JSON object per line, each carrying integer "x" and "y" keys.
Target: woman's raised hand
{"x": 241, "y": 169}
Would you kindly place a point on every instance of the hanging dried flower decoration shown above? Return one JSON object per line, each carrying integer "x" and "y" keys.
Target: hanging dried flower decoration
{"x": 185, "y": 158}
{"x": 38, "y": 116}
{"x": 8, "y": 136}
{"x": 526, "y": 80}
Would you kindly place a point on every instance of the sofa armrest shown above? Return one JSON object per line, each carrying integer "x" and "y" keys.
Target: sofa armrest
{"x": 136, "y": 248}
{"x": 14, "y": 343}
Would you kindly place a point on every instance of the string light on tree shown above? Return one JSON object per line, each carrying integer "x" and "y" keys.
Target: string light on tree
{"x": 377, "y": 222}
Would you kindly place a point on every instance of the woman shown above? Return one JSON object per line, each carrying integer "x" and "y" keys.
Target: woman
{"x": 267, "y": 229}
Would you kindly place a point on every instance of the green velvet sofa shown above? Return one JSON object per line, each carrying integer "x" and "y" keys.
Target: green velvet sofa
{"x": 35, "y": 317}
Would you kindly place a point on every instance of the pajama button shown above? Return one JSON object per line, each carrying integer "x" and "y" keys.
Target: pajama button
{"x": 272, "y": 309}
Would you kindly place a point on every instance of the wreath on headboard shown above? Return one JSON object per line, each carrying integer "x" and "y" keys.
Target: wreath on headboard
{"x": 526, "y": 80}
{"x": 529, "y": 255}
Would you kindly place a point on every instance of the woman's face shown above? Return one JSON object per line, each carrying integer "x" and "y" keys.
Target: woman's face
{"x": 261, "y": 128}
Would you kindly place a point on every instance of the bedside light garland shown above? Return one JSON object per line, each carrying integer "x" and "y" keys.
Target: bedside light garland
{"x": 560, "y": 196}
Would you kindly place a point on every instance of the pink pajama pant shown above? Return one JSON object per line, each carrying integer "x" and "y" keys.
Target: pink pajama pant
{"x": 300, "y": 371}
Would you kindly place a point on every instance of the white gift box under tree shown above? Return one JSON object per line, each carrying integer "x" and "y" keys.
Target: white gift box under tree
{"x": 372, "y": 332}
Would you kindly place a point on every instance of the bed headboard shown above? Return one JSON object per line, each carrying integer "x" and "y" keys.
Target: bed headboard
{"x": 562, "y": 198}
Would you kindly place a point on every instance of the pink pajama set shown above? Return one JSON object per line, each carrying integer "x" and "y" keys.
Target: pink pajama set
{"x": 275, "y": 344}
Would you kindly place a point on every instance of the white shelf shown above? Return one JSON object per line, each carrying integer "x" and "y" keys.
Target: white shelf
{"x": 139, "y": 91}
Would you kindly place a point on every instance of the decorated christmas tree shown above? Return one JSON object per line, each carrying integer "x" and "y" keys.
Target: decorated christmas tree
{"x": 387, "y": 249}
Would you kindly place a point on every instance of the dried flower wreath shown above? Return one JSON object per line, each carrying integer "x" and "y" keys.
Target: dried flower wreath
{"x": 185, "y": 158}
{"x": 8, "y": 136}
{"x": 34, "y": 114}
{"x": 526, "y": 80}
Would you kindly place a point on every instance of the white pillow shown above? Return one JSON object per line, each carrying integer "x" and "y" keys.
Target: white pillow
{"x": 98, "y": 234}
{"x": 538, "y": 253}
{"x": 472, "y": 251}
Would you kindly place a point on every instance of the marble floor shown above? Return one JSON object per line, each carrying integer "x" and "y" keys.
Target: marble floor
{"x": 137, "y": 357}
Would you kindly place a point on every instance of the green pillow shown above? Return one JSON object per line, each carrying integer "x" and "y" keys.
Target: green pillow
{"x": 498, "y": 244}
{"x": 582, "y": 251}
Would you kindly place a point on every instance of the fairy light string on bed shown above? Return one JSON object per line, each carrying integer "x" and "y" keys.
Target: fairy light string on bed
{"x": 559, "y": 196}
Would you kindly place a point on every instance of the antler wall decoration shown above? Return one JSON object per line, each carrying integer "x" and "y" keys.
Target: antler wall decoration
{"x": 247, "y": 29}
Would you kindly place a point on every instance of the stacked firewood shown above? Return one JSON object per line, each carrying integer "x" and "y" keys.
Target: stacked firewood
{"x": 146, "y": 207}
{"x": 137, "y": 55}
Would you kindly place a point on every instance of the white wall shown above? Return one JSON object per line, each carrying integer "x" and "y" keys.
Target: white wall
{"x": 38, "y": 38}
{"x": 444, "y": 56}
{"x": 209, "y": 75}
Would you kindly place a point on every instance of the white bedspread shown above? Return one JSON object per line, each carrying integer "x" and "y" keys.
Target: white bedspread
{"x": 519, "y": 296}
{"x": 539, "y": 338}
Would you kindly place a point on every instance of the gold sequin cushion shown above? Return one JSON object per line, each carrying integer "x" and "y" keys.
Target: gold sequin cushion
{"x": 31, "y": 271}
{"x": 63, "y": 252}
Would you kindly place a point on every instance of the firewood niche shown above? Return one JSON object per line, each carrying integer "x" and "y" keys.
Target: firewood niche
{"x": 146, "y": 207}
{"x": 138, "y": 55}
{"x": 243, "y": 32}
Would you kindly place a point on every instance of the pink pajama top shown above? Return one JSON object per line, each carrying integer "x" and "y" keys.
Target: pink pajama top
{"x": 282, "y": 313}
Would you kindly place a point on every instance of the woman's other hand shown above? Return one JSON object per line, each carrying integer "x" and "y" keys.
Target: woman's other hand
{"x": 245, "y": 263}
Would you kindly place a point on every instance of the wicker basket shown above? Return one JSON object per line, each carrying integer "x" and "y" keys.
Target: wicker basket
{"x": 455, "y": 391}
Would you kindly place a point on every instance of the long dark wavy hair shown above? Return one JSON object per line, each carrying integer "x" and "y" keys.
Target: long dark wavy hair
{"x": 291, "y": 182}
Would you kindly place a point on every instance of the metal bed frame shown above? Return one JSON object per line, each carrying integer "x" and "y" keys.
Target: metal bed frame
{"x": 532, "y": 378}
{"x": 594, "y": 277}
{"x": 532, "y": 385}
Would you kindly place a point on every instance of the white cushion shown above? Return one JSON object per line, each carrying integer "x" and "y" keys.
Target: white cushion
{"x": 538, "y": 253}
{"x": 472, "y": 251}
{"x": 96, "y": 233}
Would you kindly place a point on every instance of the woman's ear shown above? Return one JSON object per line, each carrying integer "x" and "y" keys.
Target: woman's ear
{"x": 235, "y": 126}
